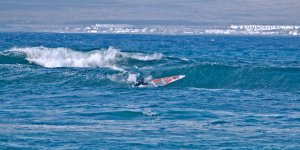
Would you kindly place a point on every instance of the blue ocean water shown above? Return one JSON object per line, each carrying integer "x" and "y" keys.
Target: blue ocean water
{"x": 74, "y": 91}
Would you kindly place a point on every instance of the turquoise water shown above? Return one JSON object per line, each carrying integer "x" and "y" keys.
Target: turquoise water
{"x": 74, "y": 91}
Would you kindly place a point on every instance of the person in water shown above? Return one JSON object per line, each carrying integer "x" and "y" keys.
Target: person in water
{"x": 140, "y": 82}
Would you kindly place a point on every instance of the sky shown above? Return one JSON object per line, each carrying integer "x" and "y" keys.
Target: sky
{"x": 171, "y": 12}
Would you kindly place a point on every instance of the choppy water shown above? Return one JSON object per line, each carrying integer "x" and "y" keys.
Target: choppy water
{"x": 73, "y": 91}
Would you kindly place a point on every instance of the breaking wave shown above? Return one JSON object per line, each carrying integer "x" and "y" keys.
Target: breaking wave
{"x": 65, "y": 57}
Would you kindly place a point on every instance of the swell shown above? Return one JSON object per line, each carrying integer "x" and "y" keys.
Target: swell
{"x": 230, "y": 77}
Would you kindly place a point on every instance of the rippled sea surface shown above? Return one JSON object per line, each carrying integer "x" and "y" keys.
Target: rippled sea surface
{"x": 74, "y": 91}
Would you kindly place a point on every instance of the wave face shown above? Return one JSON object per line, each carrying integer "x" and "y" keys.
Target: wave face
{"x": 216, "y": 76}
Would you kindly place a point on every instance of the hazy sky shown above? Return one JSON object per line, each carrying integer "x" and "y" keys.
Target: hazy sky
{"x": 200, "y": 12}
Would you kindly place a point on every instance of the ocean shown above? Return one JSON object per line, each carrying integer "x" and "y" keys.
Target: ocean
{"x": 74, "y": 91}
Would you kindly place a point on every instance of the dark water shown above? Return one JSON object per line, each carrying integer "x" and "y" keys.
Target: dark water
{"x": 74, "y": 91}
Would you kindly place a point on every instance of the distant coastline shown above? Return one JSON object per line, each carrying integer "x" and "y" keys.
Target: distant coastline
{"x": 251, "y": 29}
